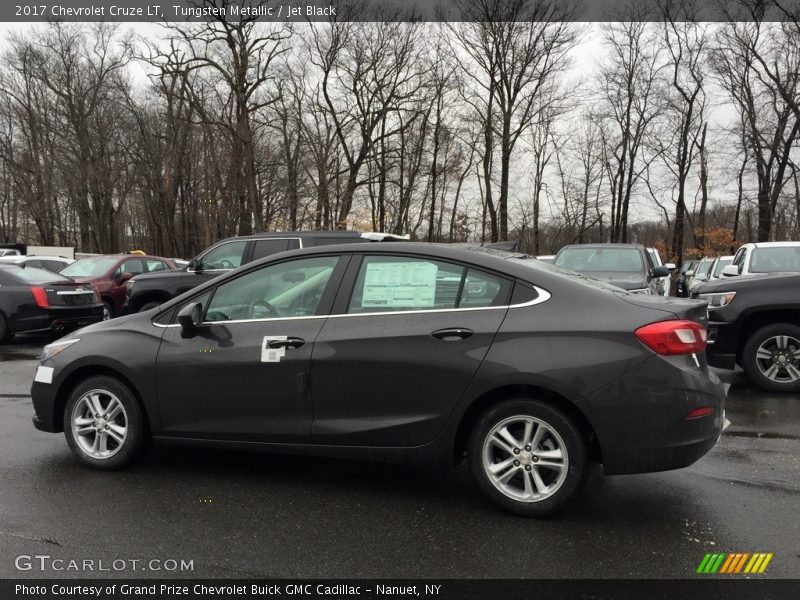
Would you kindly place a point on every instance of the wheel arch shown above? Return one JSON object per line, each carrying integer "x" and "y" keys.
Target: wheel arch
{"x": 83, "y": 373}
{"x": 506, "y": 392}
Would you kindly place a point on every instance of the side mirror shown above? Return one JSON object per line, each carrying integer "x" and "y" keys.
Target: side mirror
{"x": 124, "y": 278}
{"x": 194, "y": 265}
{"x": 690, "y": 273}
{"x": 661, "y": 272}
{"x": 189, "y": 318}
{"x": 671, "y": 266}
{"x": 730, "y": 271}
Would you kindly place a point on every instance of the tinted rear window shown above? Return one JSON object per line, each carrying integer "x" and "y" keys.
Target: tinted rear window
{"x": 269, "y": 247}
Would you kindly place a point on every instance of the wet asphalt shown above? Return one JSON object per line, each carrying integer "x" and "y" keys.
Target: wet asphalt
{"x": 239, "y": 514}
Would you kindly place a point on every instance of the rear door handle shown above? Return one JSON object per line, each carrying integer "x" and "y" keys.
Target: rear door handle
{"x": 456, "y": 334}
{"x": 292, "y": 342}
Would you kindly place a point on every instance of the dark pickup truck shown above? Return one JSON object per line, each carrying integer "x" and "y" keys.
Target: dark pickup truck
{"x": 149, "y": 290}
{"x": 754, "y": 321}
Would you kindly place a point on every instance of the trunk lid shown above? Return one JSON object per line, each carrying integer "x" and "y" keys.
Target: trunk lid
{"x": 681, "y": 308}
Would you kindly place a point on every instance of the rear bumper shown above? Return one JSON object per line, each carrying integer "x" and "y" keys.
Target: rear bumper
{"x": 641, "y": 419}
{"x": 58, "y": 320}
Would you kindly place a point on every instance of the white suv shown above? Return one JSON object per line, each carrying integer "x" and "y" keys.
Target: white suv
{"x": 765, "y": 257}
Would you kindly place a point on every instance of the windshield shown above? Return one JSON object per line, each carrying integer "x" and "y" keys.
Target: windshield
{"x": 775, "y": 260}
{"x": 600, "y": 260}
{"x": 89, "y": 267}
{"x": 655, "y": 258}
{"x": 35, "y": 276}
{"x": 721, "y": 264}
{"x": 704, "y": 267}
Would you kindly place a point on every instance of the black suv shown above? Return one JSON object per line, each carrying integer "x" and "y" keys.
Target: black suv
{"x": 754, "y": 321}
{"x": 149, "y": 290}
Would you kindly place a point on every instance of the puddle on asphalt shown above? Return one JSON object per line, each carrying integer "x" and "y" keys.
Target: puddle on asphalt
{"x": 766, "y": 435}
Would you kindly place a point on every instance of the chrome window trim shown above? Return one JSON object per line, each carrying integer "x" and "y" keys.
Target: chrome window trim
{"x": 542, "y": 296}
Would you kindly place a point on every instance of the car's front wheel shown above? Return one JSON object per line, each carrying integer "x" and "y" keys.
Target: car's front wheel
{"x": 528, "y": 457}
{"x": 149, "y": 306}
{"x": 103, "y": 423}
{"x": 771, "y": 358}
{"x": 108, "y": 310}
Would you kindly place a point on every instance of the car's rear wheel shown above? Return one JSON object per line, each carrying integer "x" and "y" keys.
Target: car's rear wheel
{"x": 108, "y": 310}
{"x": 528, "y": 457}
{"x": 103, "y": 423}
{"x": 771, "y": 358}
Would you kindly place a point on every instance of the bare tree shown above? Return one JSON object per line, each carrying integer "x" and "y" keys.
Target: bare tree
{"x": 516, "y": 49}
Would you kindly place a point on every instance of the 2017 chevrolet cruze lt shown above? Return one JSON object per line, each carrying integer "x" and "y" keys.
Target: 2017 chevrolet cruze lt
{"x": 412, "y": 353}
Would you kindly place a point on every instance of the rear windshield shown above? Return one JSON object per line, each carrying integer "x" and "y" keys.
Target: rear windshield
{"x": 601, "y": 260}
{"x": 775, "y": 260}
{"x": 538, "y": 265}
{"x": 34, "y": 275}
{"x": 89, "y": 267}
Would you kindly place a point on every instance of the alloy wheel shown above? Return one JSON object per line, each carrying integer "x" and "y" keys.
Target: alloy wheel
{"x": 525, "y": 458}
{"x": 99, "y": 424}
{"x": 778, "y": 359}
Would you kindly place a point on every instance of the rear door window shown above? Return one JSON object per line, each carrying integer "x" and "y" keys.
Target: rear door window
{"x": 269, "y": 247}
{"x": 405, "y": 283}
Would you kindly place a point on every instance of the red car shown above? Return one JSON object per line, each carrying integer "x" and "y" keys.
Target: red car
{"x": 109, "y": 273}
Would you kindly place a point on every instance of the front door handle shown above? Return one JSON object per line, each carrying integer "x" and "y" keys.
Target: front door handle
{"x": 456, "y": 334}
{"x": 292, "y": 342}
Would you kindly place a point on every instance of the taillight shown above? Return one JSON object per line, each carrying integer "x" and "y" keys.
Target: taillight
{"x": 673, "y": 337}
{"x": 40, "y": 296}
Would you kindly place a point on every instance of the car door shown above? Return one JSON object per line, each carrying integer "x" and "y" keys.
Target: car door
{"x": 134, "y": 266}
{"x": 243, "y": 375}
{"x": 406, "y": 336}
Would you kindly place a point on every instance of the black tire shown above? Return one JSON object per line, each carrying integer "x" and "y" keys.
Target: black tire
{"x": 5, "y": 336}
{"x": 750, "y": 361}
{"x": 149, "y": 305}
{"x": 136, "y": 437}
{"x": 576, "y": 453}
{"x": 108, "y": 309}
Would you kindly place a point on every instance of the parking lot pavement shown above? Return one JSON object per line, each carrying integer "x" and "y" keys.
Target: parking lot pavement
{"x": 237, "y": 514}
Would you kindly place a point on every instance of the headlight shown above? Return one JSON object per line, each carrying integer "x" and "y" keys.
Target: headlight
{"x": 55, "y": 348}
{"x": 640, "y": 291}
{"x": 718, "y": 300}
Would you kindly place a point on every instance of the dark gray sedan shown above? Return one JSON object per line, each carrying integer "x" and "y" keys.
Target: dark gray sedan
{"x": 413, "y": 354}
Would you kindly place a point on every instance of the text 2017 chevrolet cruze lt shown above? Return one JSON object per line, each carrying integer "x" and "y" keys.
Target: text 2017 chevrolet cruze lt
{"x": 412, "y": 353}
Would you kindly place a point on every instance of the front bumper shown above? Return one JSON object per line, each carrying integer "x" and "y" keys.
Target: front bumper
{"x": 44, "y": 405}
{"x": 722, "y": 344}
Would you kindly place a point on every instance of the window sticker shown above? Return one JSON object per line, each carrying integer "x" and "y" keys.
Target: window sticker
{"x": 401, "y": 284}
{"x": 272, "y": 354}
